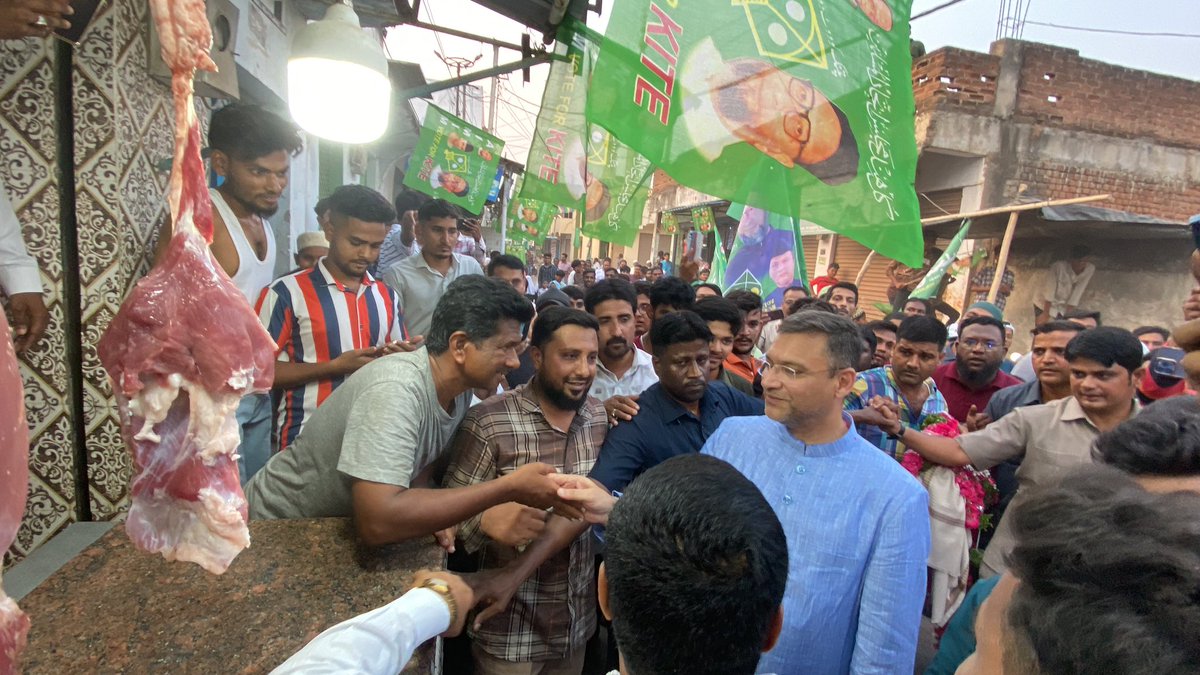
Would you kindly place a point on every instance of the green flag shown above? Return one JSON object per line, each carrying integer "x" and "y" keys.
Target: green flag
{"x": 454, "y": 161}
{"x": 669, "y": 223}
{"x": 799, "y": 107}
{"x": 719, "y": 263}
{"x": 618, "y": 185}
{"x": 767, "y": 255}
{"x": 702, "y": 219}
{"x": 933, "y": 278}
{"x": 529, "y": 219}
{"x": 579, "y": 165}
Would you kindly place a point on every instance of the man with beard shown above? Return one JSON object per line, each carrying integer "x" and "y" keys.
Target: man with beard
{"x": 844, "y": 297}
{"x": 331, "y": 320}
{"x": 885, "y": 342}
{"x": 907, "y": 383}
{"x": 624, "y": 371}
{"x": 358, "y": 457}
{"x": 420, "y": 280}
{"x": 857, "y": 523}
{"x": 741, "y": 361}
{"x": 551, "y": 420}
{"x": 725, "y": 321}
{"x": 1051, "y": 439}
{"x": 969, "y": 381}
{"x": 251, "y": 151}
{"x": 679, "y": 413}
{"x": 588, "y": 278}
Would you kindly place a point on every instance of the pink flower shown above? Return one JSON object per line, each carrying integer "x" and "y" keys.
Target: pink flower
{"x": 944, "y": 429}
{"x": 912, "y": 462}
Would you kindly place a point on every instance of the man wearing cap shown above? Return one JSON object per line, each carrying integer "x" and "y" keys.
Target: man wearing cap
{"x": 331, "y": 319}
{"x": 1162, "y": 376}
{"x": 310, "y": 247}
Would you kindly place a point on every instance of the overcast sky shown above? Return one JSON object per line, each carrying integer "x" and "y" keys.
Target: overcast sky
{"x": 970, "y": 24}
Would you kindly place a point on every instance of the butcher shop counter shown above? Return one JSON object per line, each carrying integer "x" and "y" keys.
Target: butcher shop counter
{"x": 116, "y": 609}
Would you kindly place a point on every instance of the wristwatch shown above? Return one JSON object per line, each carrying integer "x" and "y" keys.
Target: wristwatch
{"x": 898, "y": 436}
{"x": 442, "y": 588}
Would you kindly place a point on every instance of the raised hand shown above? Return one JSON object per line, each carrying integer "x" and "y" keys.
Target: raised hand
{"x": 977, "y": 420}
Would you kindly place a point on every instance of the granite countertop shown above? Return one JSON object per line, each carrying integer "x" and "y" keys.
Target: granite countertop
{"x": 116, "y": 609}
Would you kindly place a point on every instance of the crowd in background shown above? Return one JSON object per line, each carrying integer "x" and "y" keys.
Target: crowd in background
{"x": 625, "y": 458}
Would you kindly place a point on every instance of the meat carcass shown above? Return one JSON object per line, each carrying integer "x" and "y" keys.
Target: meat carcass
{"x": 183, "y": 350}
{"x": 14, "y": 486}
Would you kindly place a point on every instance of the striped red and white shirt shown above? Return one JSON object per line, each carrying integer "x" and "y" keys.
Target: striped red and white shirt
{"x": 313, "y": 318}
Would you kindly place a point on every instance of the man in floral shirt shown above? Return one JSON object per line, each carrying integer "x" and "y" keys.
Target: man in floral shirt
{"x": 907, "y": 383}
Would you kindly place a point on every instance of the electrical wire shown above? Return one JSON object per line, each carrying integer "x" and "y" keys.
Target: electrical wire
{"x": 935, "y": 9}
{"x": 1114, "y": 30}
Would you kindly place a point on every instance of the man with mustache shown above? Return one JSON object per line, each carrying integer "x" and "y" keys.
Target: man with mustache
{"x": 741, "y": 361}
{"x": 550, "y": 420}
{"x": 420, "y": 280}
{"x": 969, "y": 381}
{"x": 624, "y": 371}
{"x": 330, "y": 320}
{"x": 679, "y": 413}
{"x": 1051, "y": 438}
{"x": 251, "y": 154}
{"x": 907, "y": 382}
{"x": 376, "y": 448}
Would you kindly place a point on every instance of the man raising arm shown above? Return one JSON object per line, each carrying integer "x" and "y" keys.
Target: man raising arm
{"x": 358, "y": 455}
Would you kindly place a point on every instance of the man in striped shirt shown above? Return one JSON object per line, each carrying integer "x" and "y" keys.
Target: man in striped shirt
{"x": 331, "y": 320}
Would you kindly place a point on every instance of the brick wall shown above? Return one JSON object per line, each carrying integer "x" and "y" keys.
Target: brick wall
{"x": 1061, "y": 88}
{"x": 661, "y": 182}
{"x": 1171, "y": 200}
{"x": 955, "y": 78}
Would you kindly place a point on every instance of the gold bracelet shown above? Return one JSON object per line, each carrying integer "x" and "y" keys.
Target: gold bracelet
{"x": 442, "y": 588}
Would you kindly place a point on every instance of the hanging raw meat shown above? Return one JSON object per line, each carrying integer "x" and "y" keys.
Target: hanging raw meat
{"x": 14, "y": 485}
{"x": 184, "y": 348}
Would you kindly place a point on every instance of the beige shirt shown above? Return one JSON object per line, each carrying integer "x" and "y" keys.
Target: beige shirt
{"x": 1053, "y": 438}
{"x": 420, "y": 287}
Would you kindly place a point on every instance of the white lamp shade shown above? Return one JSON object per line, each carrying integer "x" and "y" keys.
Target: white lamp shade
{"x": 338, "y": 85}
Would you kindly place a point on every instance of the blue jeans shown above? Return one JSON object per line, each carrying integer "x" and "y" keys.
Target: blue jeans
{"x": 254, "y": 427}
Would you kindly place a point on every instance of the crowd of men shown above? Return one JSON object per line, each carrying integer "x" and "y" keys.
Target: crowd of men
{"x": 737, "y": 472}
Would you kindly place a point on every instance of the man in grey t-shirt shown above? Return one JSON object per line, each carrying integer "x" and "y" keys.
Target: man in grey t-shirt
{"x": 373, "y": 449}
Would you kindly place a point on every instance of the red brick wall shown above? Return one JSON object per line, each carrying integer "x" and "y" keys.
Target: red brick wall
{"x": 1130, "y": 192}
{"x": 956, "y": 78}
{"x": 1106, "y": 99}
{"x": 661, "y": 182}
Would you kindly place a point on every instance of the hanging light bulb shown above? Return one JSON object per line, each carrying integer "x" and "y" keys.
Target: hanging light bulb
{"x": 338, "y": 85}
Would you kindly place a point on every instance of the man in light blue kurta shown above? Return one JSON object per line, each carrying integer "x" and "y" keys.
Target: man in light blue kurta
{"x": 857, "y": 523}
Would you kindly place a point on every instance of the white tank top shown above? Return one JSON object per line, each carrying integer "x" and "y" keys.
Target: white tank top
{"x": 253, "y": 274}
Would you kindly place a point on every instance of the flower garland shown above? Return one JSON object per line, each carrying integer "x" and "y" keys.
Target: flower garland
{"x": 977, "y": 488}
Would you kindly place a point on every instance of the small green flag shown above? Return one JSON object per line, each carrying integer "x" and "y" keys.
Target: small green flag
{"x": 719, "y": 264}
{"x": 670, "y": 223}
{"x": 529, "y": 220}
{"x": 454, "y": 161}
{"x": 702, "y": 219}
{"x": 933, "y": 278}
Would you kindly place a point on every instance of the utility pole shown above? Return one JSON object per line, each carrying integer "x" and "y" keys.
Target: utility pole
{"x": 495, "y": 87}
{"x": 458, "y": 63}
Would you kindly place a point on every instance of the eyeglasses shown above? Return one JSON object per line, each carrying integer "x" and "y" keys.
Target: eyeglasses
{"x": 787, "y": 372}
{"x": 972, "y": 343}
